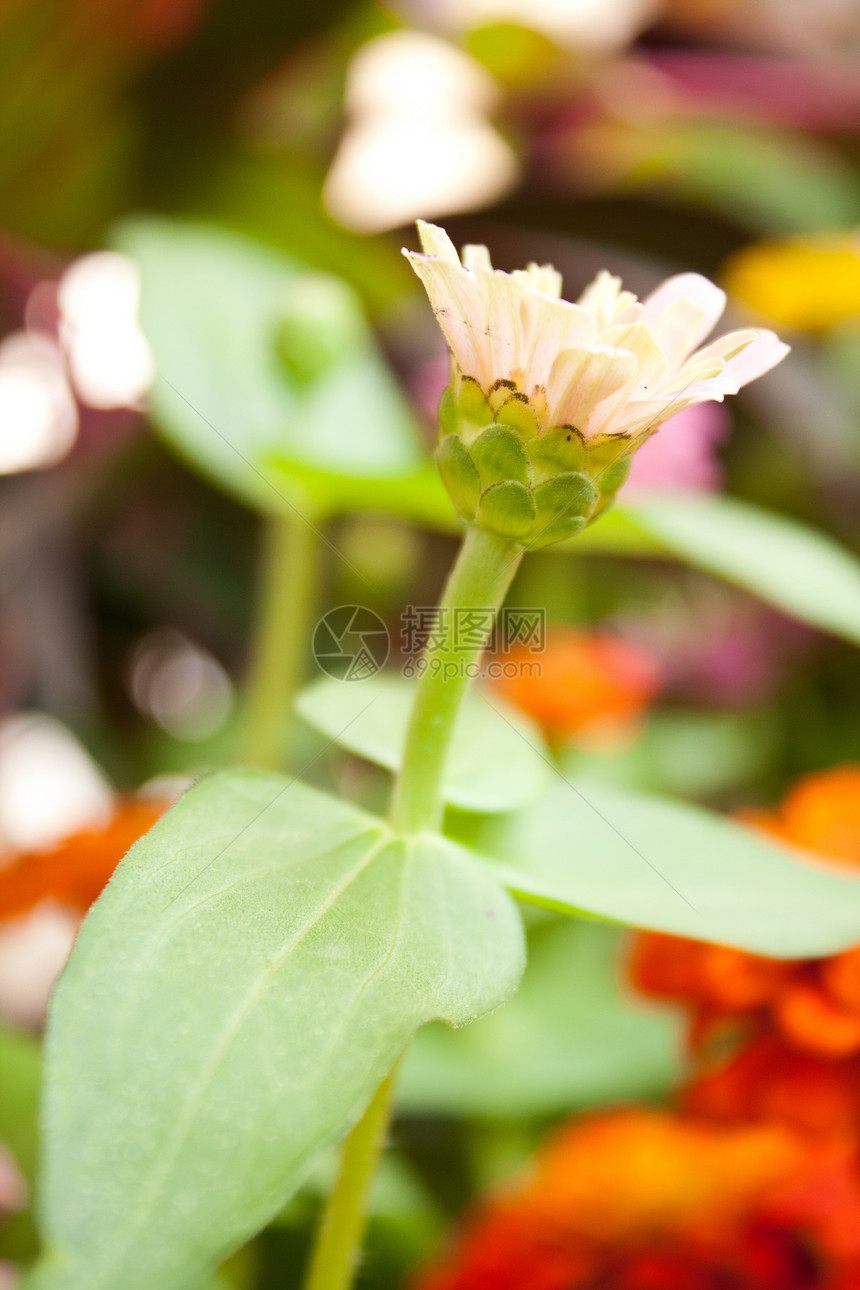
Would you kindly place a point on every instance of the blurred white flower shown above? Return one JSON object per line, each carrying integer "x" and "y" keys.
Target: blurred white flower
{"x": 38, "y": 415}
{"x": 180, "y": 685}
{"x": 33, "y": 952}
{"x": 49, "y": 784}
{"x": 588, "y": 25}
{"x": 606, "y": 366}
{"x": 109, "y": 359}
{"x": 418, "y": 138}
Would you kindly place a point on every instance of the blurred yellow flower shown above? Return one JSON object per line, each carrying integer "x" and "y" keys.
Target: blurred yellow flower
{"x": 812, "y": 284}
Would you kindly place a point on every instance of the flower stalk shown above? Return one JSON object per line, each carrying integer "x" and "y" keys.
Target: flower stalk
{"x": 479, "y": 581}
{"x": 338, "y": 1247}
{"x": 286, "y": 597}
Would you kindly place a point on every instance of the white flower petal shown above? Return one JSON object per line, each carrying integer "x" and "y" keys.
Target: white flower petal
{"x": 647, "y": 378}
{"x": 548, "y": 328}
{"x": 632, "y": 314}
{"x": 460, "y": 310}
{"x": 639, "y": 339}
{"x": 748, "y": 364}
{"x": 694, "y": 371}
{"x": 542, "y": 278}
{"x": 728, "y": 345}
{"x": 649, "y": 414}
{"x": 475, "y": 254}
{"x": 682, "y": 312}
{"x": 582, "y": 377}
{"x": 502, "y": 326}
{"x": 608, "y": 364}
{"x": 435, "y": 241}
{"x": 606, "y": 298}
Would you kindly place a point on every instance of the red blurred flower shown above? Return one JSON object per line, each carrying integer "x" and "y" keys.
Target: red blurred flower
{"x": 812, "y": 1005}
{"x": 770, "y": 1079}
{"x": 582, "y": 685}
{"x": 642, "y": 1199}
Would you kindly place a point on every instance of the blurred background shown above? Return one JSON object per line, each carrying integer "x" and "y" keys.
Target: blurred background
{"x": 204, "y": 314}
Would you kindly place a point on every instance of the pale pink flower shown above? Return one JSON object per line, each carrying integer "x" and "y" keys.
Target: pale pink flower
{"x": 609, "y": 365}
{"x": 683, "y": 456}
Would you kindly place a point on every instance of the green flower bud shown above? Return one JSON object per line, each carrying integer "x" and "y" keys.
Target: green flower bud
{"x": 506, "y": 474}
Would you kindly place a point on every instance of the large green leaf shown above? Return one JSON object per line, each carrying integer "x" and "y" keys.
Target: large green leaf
{"x": 268, "y": 379}
{"x": 571, "y": 1037}
{"x": 491, "y": 765}
{"x": 252, "y": 971}
{"x": 659, "y": 864}
{"x": 797, "y": 569}
{"x": 770, "y": 180}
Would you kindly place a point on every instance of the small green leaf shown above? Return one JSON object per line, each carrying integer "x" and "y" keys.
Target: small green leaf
{"x": 252, "y": 971}
{"x": 556, "y": 451}
{"x": 518, "y": 414}
{"x": 611, "y": 477}
{"x": 499, "y": 454}
{"x": 664, "y": 865}
{"x": 491, "y": 766}
{"x": 447, "y": 414}
{"x": 563, "y": 505}
{"x": 263, "y": 364}
{"x": 797, "y": 569}
{"x": 507, "y": 509}
{"x": 459, "y": 475}
{"x": 571, "y": 1037}
{"x": 606, "y": 453}
{"x": 472, "y": 406}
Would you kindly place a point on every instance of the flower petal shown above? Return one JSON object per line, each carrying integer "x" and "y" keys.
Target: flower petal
{"x": 548, "y": 328}
{"x": 582, "y": 377}
{"x": 435, "y": 241}
{"x": 647, "y": 378}
{"x": 542, "y": 278}
{"x": 762, "y": 354}
{"x": 475, "y": 254}
{"x": 606, "y": 298}
{"x": 728, "y": 345}
{"x": 460, "y": 310}
{"x": 681, "y": 313}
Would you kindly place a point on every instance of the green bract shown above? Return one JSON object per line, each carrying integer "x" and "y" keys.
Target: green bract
{"x": 506, "y": 474}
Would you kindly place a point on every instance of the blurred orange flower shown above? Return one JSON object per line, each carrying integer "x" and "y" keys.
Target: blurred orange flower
{"x": 798, "y": 1060}
{"x": 586, "y": 684}
{"x": 647, "y": 1200}
{"x": 812, "y": 1005}
{"x": 44, "y": 895}
{"x": 73, "y": 873}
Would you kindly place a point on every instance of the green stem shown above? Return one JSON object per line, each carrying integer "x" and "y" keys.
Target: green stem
{"x": 281, "y": 636}
{"x": 338, "y": 1244}
{"x": 479, "y": 581}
